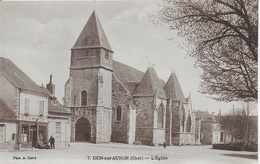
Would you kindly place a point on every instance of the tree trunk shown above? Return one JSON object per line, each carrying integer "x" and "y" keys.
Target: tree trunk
{"x": 224, "y": 138}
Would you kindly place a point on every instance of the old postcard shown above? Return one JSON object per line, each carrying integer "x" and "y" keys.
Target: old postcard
{"x": 128, "y": 81}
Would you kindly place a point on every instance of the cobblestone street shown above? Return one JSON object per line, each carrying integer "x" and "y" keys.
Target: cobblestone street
{"x": 122, "y": 153}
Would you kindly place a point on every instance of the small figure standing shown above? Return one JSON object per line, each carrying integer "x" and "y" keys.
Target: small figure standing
{"x": 164, "y": 144}
{"x": 52, "y": 141}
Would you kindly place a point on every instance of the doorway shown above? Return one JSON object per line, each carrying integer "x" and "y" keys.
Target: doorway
{"x": 33, "y": 133}
{"x": 83, "y": 130}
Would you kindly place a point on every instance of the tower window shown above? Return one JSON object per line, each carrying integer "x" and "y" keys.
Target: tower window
{"x": 84, "y": 97}
{"x": 119, "y": 114}
{"x": 106, "y": 54}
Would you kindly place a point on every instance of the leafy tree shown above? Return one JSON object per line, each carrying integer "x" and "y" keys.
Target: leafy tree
{"x": 222, "y": 35}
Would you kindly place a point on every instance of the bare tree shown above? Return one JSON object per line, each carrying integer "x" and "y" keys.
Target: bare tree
{"x": 227, "y": 126}
{"x": 240, "y": 124}
{"x": 222, "y": 35}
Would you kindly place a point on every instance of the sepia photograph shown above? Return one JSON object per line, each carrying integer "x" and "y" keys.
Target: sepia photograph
{"x": 126, "y": 81}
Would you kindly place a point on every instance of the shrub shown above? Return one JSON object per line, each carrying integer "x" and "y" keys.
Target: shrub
{"x": 235, "y": 147}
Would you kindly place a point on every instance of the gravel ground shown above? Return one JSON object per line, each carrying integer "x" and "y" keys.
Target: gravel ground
{"x": 123, "y": 153}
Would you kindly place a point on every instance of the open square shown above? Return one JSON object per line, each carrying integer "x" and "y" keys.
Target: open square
{"x": 79, "y": 152}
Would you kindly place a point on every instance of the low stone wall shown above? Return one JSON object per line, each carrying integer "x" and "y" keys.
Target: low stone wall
{"x": 158, "y": 136}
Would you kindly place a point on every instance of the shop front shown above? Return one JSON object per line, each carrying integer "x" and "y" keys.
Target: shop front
{"x": 32, "y": 132}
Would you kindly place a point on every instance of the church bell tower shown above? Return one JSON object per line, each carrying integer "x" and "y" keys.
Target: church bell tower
{"x": 88, "y": 91}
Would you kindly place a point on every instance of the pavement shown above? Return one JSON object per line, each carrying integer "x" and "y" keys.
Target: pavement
{"x": 79, "y": 152}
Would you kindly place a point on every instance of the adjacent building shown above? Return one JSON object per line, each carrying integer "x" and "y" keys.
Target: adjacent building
{"x": 210, "y": 128}
{"x": 26, "y": 104}
{"x": 8, "y": 124}
{"x": 58, "y": 118}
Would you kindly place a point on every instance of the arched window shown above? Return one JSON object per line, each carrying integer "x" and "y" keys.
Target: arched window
{"x": 119, "y": 113}
{"x": 160, "y": 117}
{"x": 188, "y": 125}
{"x": 183, "y": 119}
{"x": 84, "y": 98}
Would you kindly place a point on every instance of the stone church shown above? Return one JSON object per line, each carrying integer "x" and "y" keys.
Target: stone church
{"x": 113, "y": 102}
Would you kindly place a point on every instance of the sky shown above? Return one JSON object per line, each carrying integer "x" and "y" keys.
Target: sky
{"x": 38, "y": 36}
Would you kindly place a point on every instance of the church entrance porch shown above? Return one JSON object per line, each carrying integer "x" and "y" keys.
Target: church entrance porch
{"x": 83, "y": 130}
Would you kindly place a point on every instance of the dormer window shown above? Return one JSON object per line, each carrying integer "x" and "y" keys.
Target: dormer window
{"x": 107, "y": 55}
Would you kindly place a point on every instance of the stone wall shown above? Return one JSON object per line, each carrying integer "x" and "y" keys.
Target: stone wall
{"x": 121, "y": 97}
{"x": 158, "y": 136}
{"x": 103, "y": 125}
{"x": 168, "y": 123}
{"x": 97, "y": 82}
{"x": 175, "y": 128}
{"x": 90, "y": 58}
{"x": 85, "y": 57}
{"x": 131, "y": 125}
{"x": 90, "y": 114}
{"x": 88, "y": 83}
{"x": 183, "y": 124}
{"x": 144, "y": 119}
{"x": 67, "y": 102}
{"x": 8, "y": 142}
{"x": 176, "y": 138}
{"x": 187, "y": 138}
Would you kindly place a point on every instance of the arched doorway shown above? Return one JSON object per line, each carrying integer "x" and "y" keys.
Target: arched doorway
{"x": 83, "y": 130}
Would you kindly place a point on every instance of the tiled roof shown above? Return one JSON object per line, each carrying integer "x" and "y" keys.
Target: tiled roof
{"x": 5, "y": 112}
{"x": 132, "y": 86}
{"x": 92, "y": 35}
{"x": 17, "y": 77}
{"x": 127, "y": 75}
{"x": 173, "y": 89}
{"x": 56, "y": 108}
{"x": 150, "y": 84}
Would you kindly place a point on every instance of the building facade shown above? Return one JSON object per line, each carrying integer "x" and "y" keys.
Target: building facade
{"x": 8, "y": 128}
{"x": 58, "y": 118}
{"x": 111, "y": 101}
{"x": 210, "y": 128}
{"x": 27, "y": 101}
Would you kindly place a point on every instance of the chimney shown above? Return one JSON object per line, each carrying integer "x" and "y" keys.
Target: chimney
{"x": 51, "y": 87}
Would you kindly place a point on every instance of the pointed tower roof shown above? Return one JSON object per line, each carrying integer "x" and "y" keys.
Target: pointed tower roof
{"x": 92, "y": 35}
{"x": 150, "y": 84}
{"x": 172, "y": 88}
